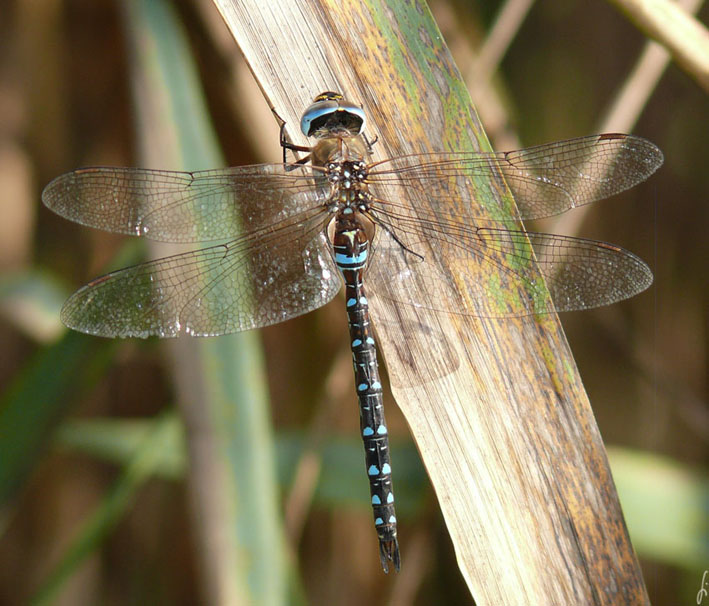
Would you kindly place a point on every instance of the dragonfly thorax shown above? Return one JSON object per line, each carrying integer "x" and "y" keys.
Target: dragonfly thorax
{"x": 346, "y": 174}
{"x": 349, "y": 188}
{"x": 338, "y": 149}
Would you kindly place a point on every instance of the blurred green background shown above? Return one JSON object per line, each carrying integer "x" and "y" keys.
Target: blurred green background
{"x": 92, "y": 454}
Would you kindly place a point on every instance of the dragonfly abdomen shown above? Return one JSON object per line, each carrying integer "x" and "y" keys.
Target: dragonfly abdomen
{"x": 351, "y": 247}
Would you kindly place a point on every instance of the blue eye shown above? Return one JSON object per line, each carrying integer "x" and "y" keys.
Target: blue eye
{"x": 331, "y": 113}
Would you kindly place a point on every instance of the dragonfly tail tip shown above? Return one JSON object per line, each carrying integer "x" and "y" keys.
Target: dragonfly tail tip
{"x": 389, "y": 552}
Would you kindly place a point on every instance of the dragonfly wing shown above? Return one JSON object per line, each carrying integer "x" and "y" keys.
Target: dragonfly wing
{"x": 178, "y": 207}
{"x": 545, "y": 180}
{"x": 260, "y": 279}
{"x": 583, "y": 274}
{"x": 496, "y": 273}
{"x": 480, "y": 282}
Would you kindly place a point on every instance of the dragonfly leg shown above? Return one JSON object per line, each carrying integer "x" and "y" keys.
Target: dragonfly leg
{"x": 287, "y": 145}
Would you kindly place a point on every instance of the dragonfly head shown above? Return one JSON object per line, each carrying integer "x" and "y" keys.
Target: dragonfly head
{"x": 332, "y": 115}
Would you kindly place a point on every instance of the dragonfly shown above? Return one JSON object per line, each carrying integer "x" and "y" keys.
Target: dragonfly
{"x": 282, "y": 239}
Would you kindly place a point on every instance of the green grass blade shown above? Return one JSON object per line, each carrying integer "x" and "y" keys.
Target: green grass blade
{"x": 148, "y": 457}
{"x": 220, "y": 381}
{"x": 39, "y": 397}
{"x": 666, "y": 505}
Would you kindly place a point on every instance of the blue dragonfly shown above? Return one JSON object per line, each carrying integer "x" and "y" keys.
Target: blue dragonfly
{"x": 284, "y": 238}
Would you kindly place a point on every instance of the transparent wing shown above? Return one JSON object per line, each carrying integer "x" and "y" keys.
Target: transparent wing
{"x": 257, "y": 280}
{"x": 545, "y": 180}
{"x": 495, "y": 272}
{"x": 184, "y": 207}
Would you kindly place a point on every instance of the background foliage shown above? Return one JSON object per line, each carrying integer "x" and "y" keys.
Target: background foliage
{"x": 92, "y": 455}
